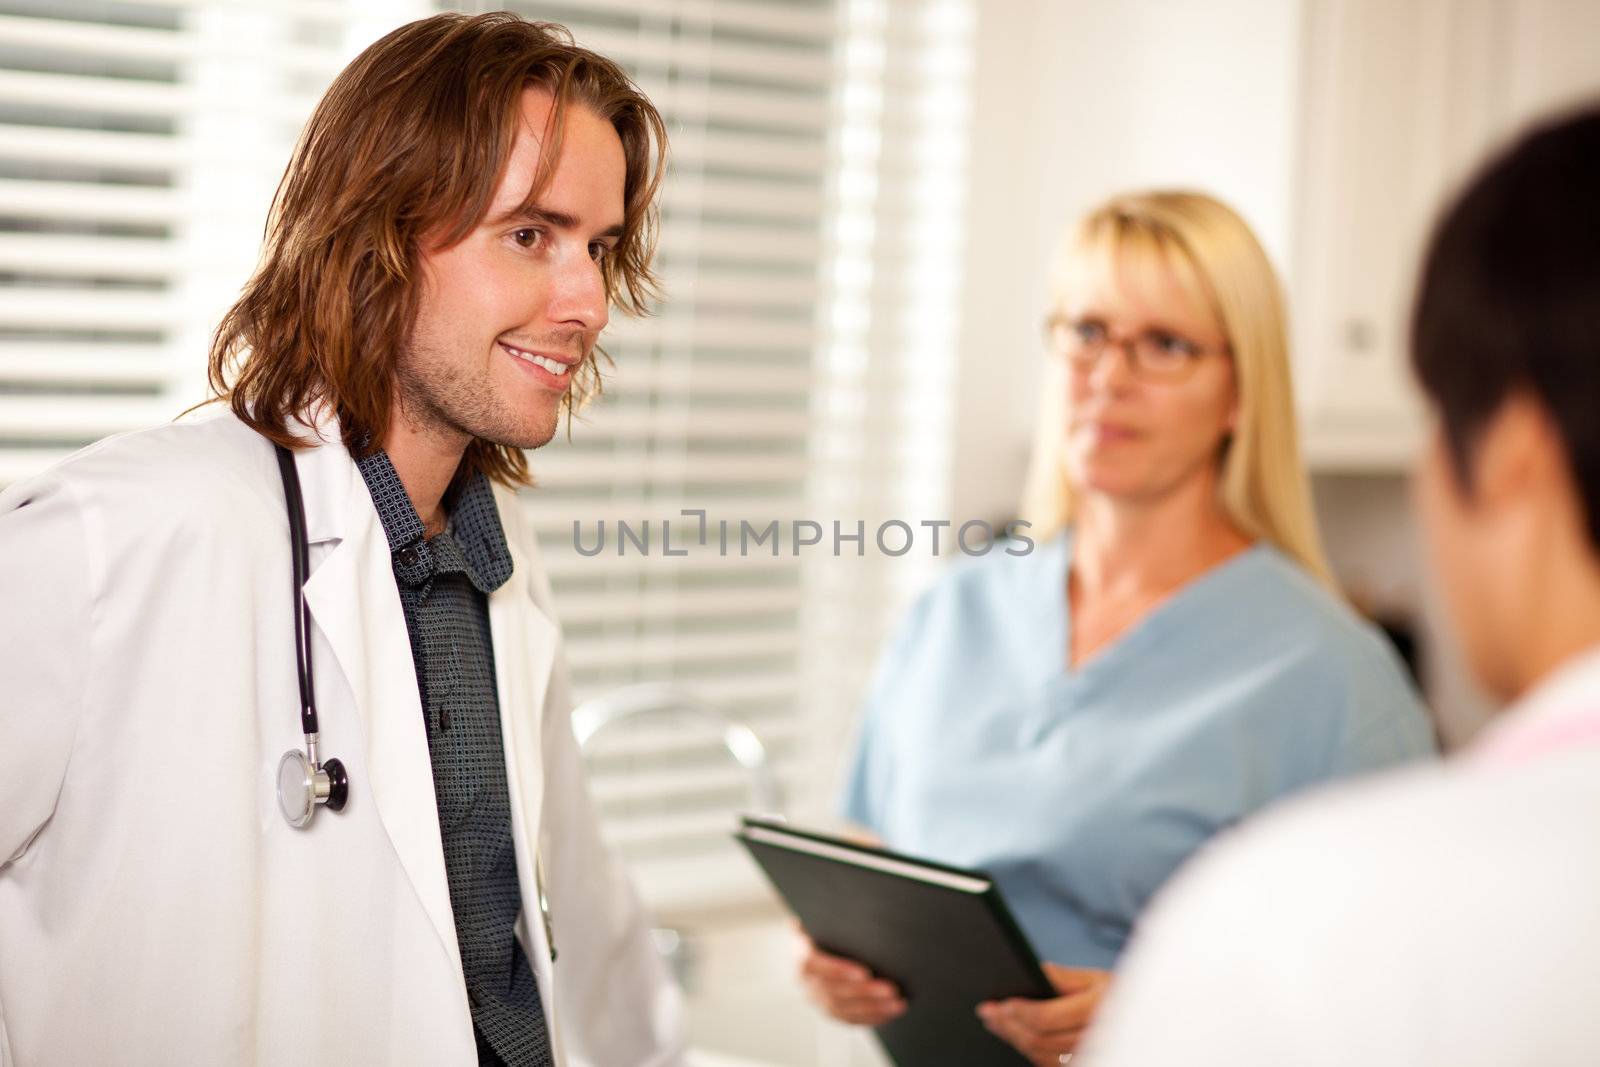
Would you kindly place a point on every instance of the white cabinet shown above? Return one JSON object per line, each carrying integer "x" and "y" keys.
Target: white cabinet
{"x": 1400, "y": 100}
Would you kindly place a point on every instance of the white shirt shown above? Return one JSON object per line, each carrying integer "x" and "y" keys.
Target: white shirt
{"x": 1445, "y": 914}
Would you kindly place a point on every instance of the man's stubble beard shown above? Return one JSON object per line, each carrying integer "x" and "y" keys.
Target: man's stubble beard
{"x": 442, "y": 402}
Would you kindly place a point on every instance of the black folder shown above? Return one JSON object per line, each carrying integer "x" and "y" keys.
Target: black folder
{"x": 942, "y": 934}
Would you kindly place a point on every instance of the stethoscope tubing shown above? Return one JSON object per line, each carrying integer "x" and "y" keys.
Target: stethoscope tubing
{"x": 300, "y": 562}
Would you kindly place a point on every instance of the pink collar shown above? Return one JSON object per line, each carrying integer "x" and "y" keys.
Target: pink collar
{"x": 1524, "y": 743}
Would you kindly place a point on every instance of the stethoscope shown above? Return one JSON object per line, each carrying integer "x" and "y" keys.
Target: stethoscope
{"x": 305, "y": 783}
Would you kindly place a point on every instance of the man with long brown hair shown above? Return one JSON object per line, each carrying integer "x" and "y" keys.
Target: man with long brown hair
{"x": 467, "y": 203}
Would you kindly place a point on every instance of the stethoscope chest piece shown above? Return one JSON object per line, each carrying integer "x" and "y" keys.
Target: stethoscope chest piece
{"x": 302, "y": 787}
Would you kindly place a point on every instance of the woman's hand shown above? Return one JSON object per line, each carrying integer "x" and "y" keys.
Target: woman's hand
{"x": 1045, "y": 1031}
{"x": 845, "y": 989}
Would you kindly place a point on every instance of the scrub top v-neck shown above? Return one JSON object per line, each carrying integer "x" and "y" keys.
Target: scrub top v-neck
{"x": 1081, "y": 790}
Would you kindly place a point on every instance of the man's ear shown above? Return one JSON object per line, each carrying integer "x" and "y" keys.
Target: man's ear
{"x": 1518, "y": 453}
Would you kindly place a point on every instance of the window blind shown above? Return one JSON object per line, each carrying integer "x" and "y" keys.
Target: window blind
{"x": 140, "y": 142}
{"x": 91, "y": 168}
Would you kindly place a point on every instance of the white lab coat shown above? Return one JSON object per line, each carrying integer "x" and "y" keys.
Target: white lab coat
{"x": 155, "y": 907}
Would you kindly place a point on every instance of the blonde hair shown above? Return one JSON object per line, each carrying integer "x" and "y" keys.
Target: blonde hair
{"x": 1210, "y": 252}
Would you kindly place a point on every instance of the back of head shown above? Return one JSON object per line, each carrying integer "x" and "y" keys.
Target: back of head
{"x": 405, "y": 150}
{"x": 1509, "y": 300}
{"x": 1211, "y": 252}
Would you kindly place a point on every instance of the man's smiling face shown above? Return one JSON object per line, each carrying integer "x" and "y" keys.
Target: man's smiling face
{"x": 506, "y": 314}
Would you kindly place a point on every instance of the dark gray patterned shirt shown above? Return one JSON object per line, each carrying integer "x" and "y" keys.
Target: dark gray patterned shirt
{"x": 444, "y": 586}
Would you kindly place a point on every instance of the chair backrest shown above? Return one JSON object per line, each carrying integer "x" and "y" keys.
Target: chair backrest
{"x": 609, "y": 711}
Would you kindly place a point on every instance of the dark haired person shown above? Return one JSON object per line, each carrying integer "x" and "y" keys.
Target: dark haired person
{"x": 1450, "y": 914}
{"x": 466, "y": 204}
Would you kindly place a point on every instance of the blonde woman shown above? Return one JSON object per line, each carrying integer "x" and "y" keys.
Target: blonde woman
{"x": 1171, "y": 657}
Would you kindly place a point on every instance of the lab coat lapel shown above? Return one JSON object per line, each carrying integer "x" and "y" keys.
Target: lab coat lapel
{"x": 524, "y": 654}
{"x": 355, "y": 602}
{"x": 526, "y": 643}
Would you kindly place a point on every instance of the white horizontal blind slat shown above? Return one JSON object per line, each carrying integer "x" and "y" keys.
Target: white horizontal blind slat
{"x": 55, "y": 419}
{"x": 85, "y": 201}
{"x": 746, "y": 243}
{"x": 672, "y": 373}
{"x": 814, "y": 22}
{"x": 627, "y": 468}
{"x": 623, "y": 421}
{"x": 554, "y": 515}
{"x": 663, "y": 752}
{"x": 84, "y": 308}
{"x": 106, "y": 95}
{"x": 608, "y": 565}
{"x": 109, "y": 365}
{"x": 122, "y": 257}
{"x": 91, "y": 39}
{"x": 580, "y": 608}
{"x": 649, "y": 53}
{"x": 98, "y": 148}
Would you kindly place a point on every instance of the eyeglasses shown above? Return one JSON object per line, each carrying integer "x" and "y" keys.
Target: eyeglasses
{"x": 1154, "y": 355}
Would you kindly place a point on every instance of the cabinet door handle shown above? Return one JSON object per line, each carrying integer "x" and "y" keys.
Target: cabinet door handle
{"x": 1360, "y": 335}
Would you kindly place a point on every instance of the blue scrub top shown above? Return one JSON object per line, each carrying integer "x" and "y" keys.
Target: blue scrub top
{"x": 1081, "y": 791}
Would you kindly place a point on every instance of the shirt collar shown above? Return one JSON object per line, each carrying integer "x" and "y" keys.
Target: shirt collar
{"x": 1571, "y": 691}
{"x": 474, "y": 535}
